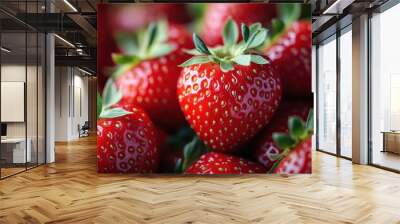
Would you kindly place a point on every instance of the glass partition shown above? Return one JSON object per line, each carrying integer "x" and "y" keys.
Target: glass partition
{"x": 346, "y": 93}
{"x": 22, "y": 77}
{"x": 385, "y": 89}
{"x": 327, "y": 96}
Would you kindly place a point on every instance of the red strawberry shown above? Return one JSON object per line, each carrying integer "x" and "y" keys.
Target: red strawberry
{"x": 298, "y": 160}
{"x": 296, "y": 147}
{"x": 218, "y": 13}
{"x": 229, "y": 93}
{"x": 148, "y": 74}
{"x": 266, "y": 149}
{"x": 126, "y": 140}
{"x": 127, "y": 18}
{"x": 218, "y": 163}
{"x": 291, "y": 56}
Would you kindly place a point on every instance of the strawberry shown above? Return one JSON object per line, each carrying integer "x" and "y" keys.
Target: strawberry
{"x": 230, "y": 92}
{"x": 291, "y": 56}
{"x": 298, "y": 160}
{"x": 126, "y": 140}
{"x": 218, "y": 13}
{"x": 265, "y": 148}
{"x": 218, "y": 163}
{"x": 148, "y": 71}
{"x": 296, "y": 147}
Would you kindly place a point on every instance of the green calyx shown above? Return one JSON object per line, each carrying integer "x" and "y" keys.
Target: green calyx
{"x": 111, "y": 96}
{"x": 191, "y": 153}
{"x": 142, "y": 45}
{"x": 232, "y": 52}
{"x": 298, "y": 131}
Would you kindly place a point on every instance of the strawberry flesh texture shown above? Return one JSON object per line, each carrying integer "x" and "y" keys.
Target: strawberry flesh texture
{"x": 298, "y": 160}
{"x": 127, "y": 144}
{"x": 228, "y": 108}
{"x": 152, "y": 83}
{"x": 218, "y": 163}
{"x": 291, "y": 56}
{"x": 265, "y": 147}
{"x": 247, "y": 13}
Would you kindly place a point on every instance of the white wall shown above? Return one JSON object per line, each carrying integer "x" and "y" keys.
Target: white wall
{"x": 71, "y": 93}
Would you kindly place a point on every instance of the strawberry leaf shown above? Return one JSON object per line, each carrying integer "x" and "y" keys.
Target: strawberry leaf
{"x": 296, "y": 128}
{"x": 310, "y": 121}
{"x": 260, "y": 60}
{"x": 283, "y": 141}
{"x": 113, "y": 113}
{"x": 161, "y": 50}
{"x": 245, "y": 32}
{"x": 121, "y": 69}
{"x": 127, "y": 42}
{"x": 243, "y": 59}
{"x": 258, "y": 39}
{"x": 194, "y": 52}
{"x": 196, "y": 60}
{"x": 200, "y": 45}
{"x": 226, "y": 66}
{"x": 124, "y": 59}
{"x": 230, "y": 32}
{"x": 99, "y": 104}
{"x": 289, "y": 12}
{"x": 111, "y": 95}
{"x": 192, "y": 152}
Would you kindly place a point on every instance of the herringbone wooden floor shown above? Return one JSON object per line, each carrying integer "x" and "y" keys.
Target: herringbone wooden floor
{"x": 70, "y": 191}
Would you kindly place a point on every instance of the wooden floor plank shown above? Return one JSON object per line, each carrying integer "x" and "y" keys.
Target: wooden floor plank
{"x": 71, "y": 191}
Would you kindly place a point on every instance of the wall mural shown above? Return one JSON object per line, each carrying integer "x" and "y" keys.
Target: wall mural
{"x": 217, "y": 88}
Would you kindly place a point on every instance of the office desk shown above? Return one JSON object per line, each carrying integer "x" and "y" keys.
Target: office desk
{"x": 391, "y": 141}
{"x": 13, "y": 150}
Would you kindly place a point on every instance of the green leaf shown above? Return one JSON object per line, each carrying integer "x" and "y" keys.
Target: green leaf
{"x": 178, "y": 166}
{"x": 111, "y": 95}
{"x": 147, "y": 38}
{"x": 310, "y": 121}
{"x": 243, "y": 59}
{"x": 259, "y": 39}
{"x": 230, "y": 32}
{"x": 194, "y": 52}
{"x": 162, "y": 32}
{"x": 283, "y": 141}
{"x": 196, "y": 60}
{"x": 289, "y": 12}
{"x": 258, "y": 59}
{"x": 192, "y": 152}
{"x": 255, "y": 27}
{"x": 277, "y": 26}
{"x": 200, "y": 45}
{"x": 99, "y": 104}
{"x": 161, "y": 50}
{"x": 121, "y": 69}
{"x": 245, "y": 32}
{"x": 296, "y": 128}
{"x": 113, "y": 113}
{"x": 226, "y": 66}
{"x": 124, "y": 59}
{"x": 127, "y": 43}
